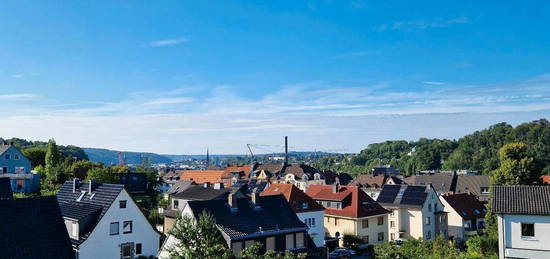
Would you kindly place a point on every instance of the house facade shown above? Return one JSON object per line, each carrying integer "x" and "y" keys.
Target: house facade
{"x": 523, "y": 214}
{"x": 416, "y": 211}
{"x": 103, "y": 221}
{"x": 466, "y": 215}
{"x": 349, "y": 210}
{"x": 267, "y": 220}
{"x": 15, "y": 166}
{"x": 307, "y": 210}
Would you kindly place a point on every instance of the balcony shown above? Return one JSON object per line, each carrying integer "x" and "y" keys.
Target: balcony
{"x": 18, "y": 176}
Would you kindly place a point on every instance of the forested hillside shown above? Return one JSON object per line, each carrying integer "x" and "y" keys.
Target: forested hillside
{"x": 110, "y": 157}
{"x": 35, "y": 147}
{"x": 477, "y": 151}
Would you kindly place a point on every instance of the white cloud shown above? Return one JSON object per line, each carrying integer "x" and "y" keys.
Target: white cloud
{"x": 422, "y": 24}
{"x": 24, "y": 75}
{"x": 18, "y": 97}
{"x": 433, "y": 83}
{"x": 168, "y": 42}
{"x": 166, "y": 101}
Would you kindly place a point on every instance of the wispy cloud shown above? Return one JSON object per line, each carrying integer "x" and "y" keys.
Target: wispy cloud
{"x": 24, "y": 75}
{"x": 168, "y": 42}
{"x": 166, "y": 101}
{"x": 359, "y": 54}
{"x": 433, "y": 83}
{"x": 422, "y": 24}
{"x": 18, "y": 97}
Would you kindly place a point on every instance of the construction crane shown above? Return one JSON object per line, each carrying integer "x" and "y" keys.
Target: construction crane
{"x": 250, "y": 149}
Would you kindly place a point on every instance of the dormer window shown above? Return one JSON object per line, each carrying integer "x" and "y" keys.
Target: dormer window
{"x": 304, "y": 205}
{"x": 16, "y": 157}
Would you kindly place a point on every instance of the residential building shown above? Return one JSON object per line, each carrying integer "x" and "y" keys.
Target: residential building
{"x": 268, "y": 220}
{"x": 103, "y": 221}
{"x": 372, "y": 184}
{"x": 349, "y": 210}
{"x": 33, "y": 228}
{"x": 454, "y": 182}
{"x": 134, "y": 183}
{"x": 523, "y": 215}
{"x": 15, "y": 166}
{"x": 385, "y": 170}
{"x": 465, "y": 215}
{"x": 339, "y": 178}
{"x": 301, "y": 175}
{"x": 477, "y": 185}
{"x": 416, "y": 211}
{"x": 308, "y": 211}
{"x": 202, "y": 176}
{"x": 178, "y": 187}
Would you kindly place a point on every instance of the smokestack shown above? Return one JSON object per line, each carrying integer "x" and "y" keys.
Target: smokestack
{"x": 286, "y": 150}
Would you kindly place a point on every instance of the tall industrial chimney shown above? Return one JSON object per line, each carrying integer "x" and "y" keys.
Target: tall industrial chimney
{"x": 286, "y": 150}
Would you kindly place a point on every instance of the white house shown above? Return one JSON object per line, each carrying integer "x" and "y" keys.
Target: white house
{"x": 103, "y": 221}
{"x": 523, "y": 214}
{"x": 307, "y": 209}
{"x": 465, "y": 215}
{"x": 416, "y": 211}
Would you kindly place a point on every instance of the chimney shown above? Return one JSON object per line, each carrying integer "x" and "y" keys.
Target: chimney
{"x": 286, "y": 150}
{"x": 206, "y": 185}
{"x": 76, "y": 182}
{"x": 90, "y": 186}
{"x": 232, "y": 201}
{"x": 335, "y": 188}
{"x": 218, "y": 186}
{"x": 255, "y": 199}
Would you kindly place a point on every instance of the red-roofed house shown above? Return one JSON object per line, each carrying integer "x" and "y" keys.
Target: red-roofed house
{"x": 202, "y": 176}
{"x": 465, "y": 215}
{"x": 306, "y": 208}
{"x": 545, "y": 179}
{"x": 349, "y": 210}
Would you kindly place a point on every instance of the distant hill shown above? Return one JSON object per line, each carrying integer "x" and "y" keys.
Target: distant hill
{"x": 110, "y": 157}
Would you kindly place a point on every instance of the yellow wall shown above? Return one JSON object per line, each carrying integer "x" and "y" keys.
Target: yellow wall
{"x": 355, "y": 226}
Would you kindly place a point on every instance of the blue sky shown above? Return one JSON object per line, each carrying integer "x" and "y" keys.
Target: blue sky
{"x": 180, "y": 76}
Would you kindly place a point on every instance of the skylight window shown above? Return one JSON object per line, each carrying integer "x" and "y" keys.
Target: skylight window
{"x": 477, "y": 211}
{"x": 464, "y": 213}
{"x": 82, "y": 193}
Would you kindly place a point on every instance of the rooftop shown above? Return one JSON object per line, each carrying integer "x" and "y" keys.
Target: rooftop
{"x": 298, "y": 200}
{"x": 402, "y": 195}
{"x": 521, "y": 199}
{"x": 466, "y": 205}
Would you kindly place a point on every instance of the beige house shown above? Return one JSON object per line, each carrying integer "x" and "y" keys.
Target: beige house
{"x": 465, "y": 215}
{"x": 416, "y": 211}
{"x": 349, "y": 210}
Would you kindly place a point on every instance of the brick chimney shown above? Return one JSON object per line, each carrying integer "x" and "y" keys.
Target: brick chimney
{"x": 232, "y": 201}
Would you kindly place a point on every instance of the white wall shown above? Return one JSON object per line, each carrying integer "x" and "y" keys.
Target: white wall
{"x": 317, "y": 232}
{"x": 102, "y": 245}
{"x": 514, "y": 245}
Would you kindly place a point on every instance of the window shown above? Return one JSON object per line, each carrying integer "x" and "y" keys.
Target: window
{"x": 20, "y": 170}
{"x": 138, "y": 248}
{"x": 4, "y": 170}
{"x": 176, "y": 204}
{"x": 127, "y": 252}
{"x": 304, "y": 205}
{"x": 127, "y": 227}
{"x": 392, "y": 213}
{"x": 16, "y": 157}
{"x": 82, "y": 193}
{"x": 300, "y": 239}
{"x": 392, "y": 224}
{"x": 428, "y": 220}
{"x": 122, "y": 204}
{"x": 313, "y": 222}
{"x": 20, "y": 184}
{"x": 484, "y": 190}
{"x": 289, "y": 241}
{"x": 366, "y": 239}
{"x": 74, "y": 229}
{"x": 7, "y": 156}
{"x": 429, "y": 235}
{"x": 380, "y": 236}
{"x": 248, "y": 243}
{"x": 237, "y": 247}
{"x": 270, "y": 243}
{"x": 365, "y": 223}
{"x": 392, "y": 236}
{"x": 113, "y": 230}
{"x": 380, "y": 220}
{"x": 527, "y": 229}
{"x": 429, "y": 207}
{"x": 329, "y": 204}
{"x": 481, "y": 225}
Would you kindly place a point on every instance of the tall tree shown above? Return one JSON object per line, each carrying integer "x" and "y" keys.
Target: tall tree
{"x": 516, "y": 166}
{"x": 52, "y": 154}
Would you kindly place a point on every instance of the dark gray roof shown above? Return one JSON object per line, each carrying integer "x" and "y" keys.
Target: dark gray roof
{"x": 442, "y": 182}
{"x": 473, "y": 184}
{"x": 394, "y": 195}
{"x": 78, "y": 210}
{"x": 199, "y": 193}
{"x": 180, "y": 186}
{"x": 103, "y": 197}
{"x": 527, "y": 200}
{"x": 275, "y": 215}
{"x": 33, "y": 228}
{"x": 5, "y": 188}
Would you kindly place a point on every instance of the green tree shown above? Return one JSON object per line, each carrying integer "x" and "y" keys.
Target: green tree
{"x": 480, "y": 247}
{"x": 102, "y": 175}
{"x": 352, "y": 241}
{"x": 37, "y": 156}
{"x": 52, "y": 156}
{"x": 516, "y": 166}
{"x": 198, "y": 239}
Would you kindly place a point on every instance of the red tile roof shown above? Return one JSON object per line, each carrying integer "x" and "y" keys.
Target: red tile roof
{"x": 235, "y": 168}
{"x": 545, "y": 179}
{"x": 353, "y": 207}
{"x": 294, "y": 196}
{"x": 202, "y": 176}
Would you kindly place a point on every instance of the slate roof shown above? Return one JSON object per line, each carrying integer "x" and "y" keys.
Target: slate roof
{"x": 274, "y": 215}
{"x": 442, "y": 182}
{"x": 473, "y": 184}
{"x": 466, "y": 205}
{"x": 402, "y": 195}
{"x": 33, "y": 228}
{"x": 331, "y": 177}
{"x": 354, "y": 201}
{"x": 200, "y": 193}
{"x": 5, "y": 188}
{"x": 180, "y": 186}
{"x": 294, "y": 196}
{"x": 103, "y": 197}
{"x": 521, "y": 199}
{"x": 78, "y": 210}
{"x": 369, "y": 180}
